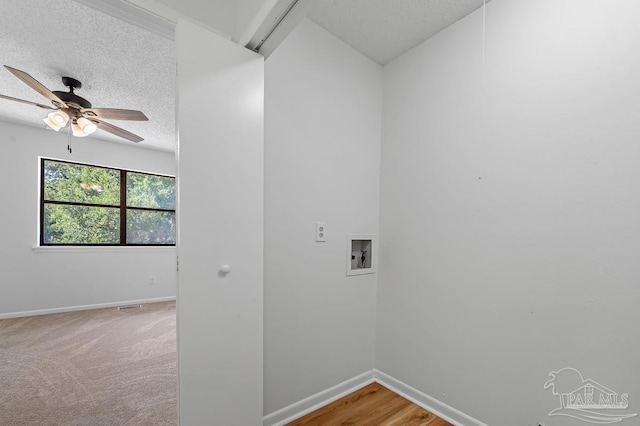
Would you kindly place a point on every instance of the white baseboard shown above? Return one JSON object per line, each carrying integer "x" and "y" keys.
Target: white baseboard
{"x": 425, "y": 401}
{"x": 319, "y": 400}
{"x": 84, "y": 307}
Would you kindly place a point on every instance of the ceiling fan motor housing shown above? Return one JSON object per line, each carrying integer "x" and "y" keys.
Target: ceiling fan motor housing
{"x": 71, "y": 98}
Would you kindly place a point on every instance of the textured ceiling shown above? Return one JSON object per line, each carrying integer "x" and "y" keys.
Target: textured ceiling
{"x": 385, "y": 29}
{"x": 119, "y": 65}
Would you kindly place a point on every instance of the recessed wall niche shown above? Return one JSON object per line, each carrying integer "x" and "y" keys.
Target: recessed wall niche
{"x": 360, "y": 254}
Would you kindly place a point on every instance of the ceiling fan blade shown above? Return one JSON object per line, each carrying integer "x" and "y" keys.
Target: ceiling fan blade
{"x": 36, "y": 85}
{"x": 115, "y": 114}
{"x": 103, "y": 125}
{"x": 11, "y": 98}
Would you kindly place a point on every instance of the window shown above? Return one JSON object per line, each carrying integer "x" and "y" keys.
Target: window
{"x": 81, "y": 204}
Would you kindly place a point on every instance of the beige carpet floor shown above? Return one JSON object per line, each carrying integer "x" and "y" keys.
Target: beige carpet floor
{"x": 90, "y": 368}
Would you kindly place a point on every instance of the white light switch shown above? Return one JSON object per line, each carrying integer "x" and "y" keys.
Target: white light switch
{"x": 321, "y": 231}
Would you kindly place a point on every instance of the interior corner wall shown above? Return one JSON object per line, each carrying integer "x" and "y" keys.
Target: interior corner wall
{"x": 322, "y": 159}
{"x": 50, "y": 280}
{"x": 510, "y": 231}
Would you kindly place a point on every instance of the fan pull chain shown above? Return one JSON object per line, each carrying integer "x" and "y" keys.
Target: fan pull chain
{"x": 69, "y": 140}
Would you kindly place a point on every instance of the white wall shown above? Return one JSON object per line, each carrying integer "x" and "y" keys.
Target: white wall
{"x": 53, "y": 278}
{"x": 221, "y": 214}
{"x": 322, "y": 139}
{"x": 509, "y": 246}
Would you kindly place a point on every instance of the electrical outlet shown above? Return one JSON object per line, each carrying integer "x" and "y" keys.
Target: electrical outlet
{"x": 321, "y": 232}
{"x": 152, "y": 280}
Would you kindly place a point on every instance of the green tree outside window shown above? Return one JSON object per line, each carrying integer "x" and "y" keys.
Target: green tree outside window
{"x": 91, "y": 205}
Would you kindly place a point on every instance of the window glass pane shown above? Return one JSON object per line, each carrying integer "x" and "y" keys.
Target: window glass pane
{"x": 155, "y": 192}
{"x": 149, "y": 227}
{"x": 81, "y": 184}
{"x": 65, "y": 224}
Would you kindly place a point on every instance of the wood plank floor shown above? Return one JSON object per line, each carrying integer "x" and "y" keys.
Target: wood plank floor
{"x": 373, "y": 405}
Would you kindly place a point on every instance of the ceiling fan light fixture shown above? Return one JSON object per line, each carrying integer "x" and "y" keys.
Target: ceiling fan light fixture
{"x": 86, "y": 126}
{"x": 77, "y": 131}
{"x": 60, "y": 117}
{"x": 56, "y": 120}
